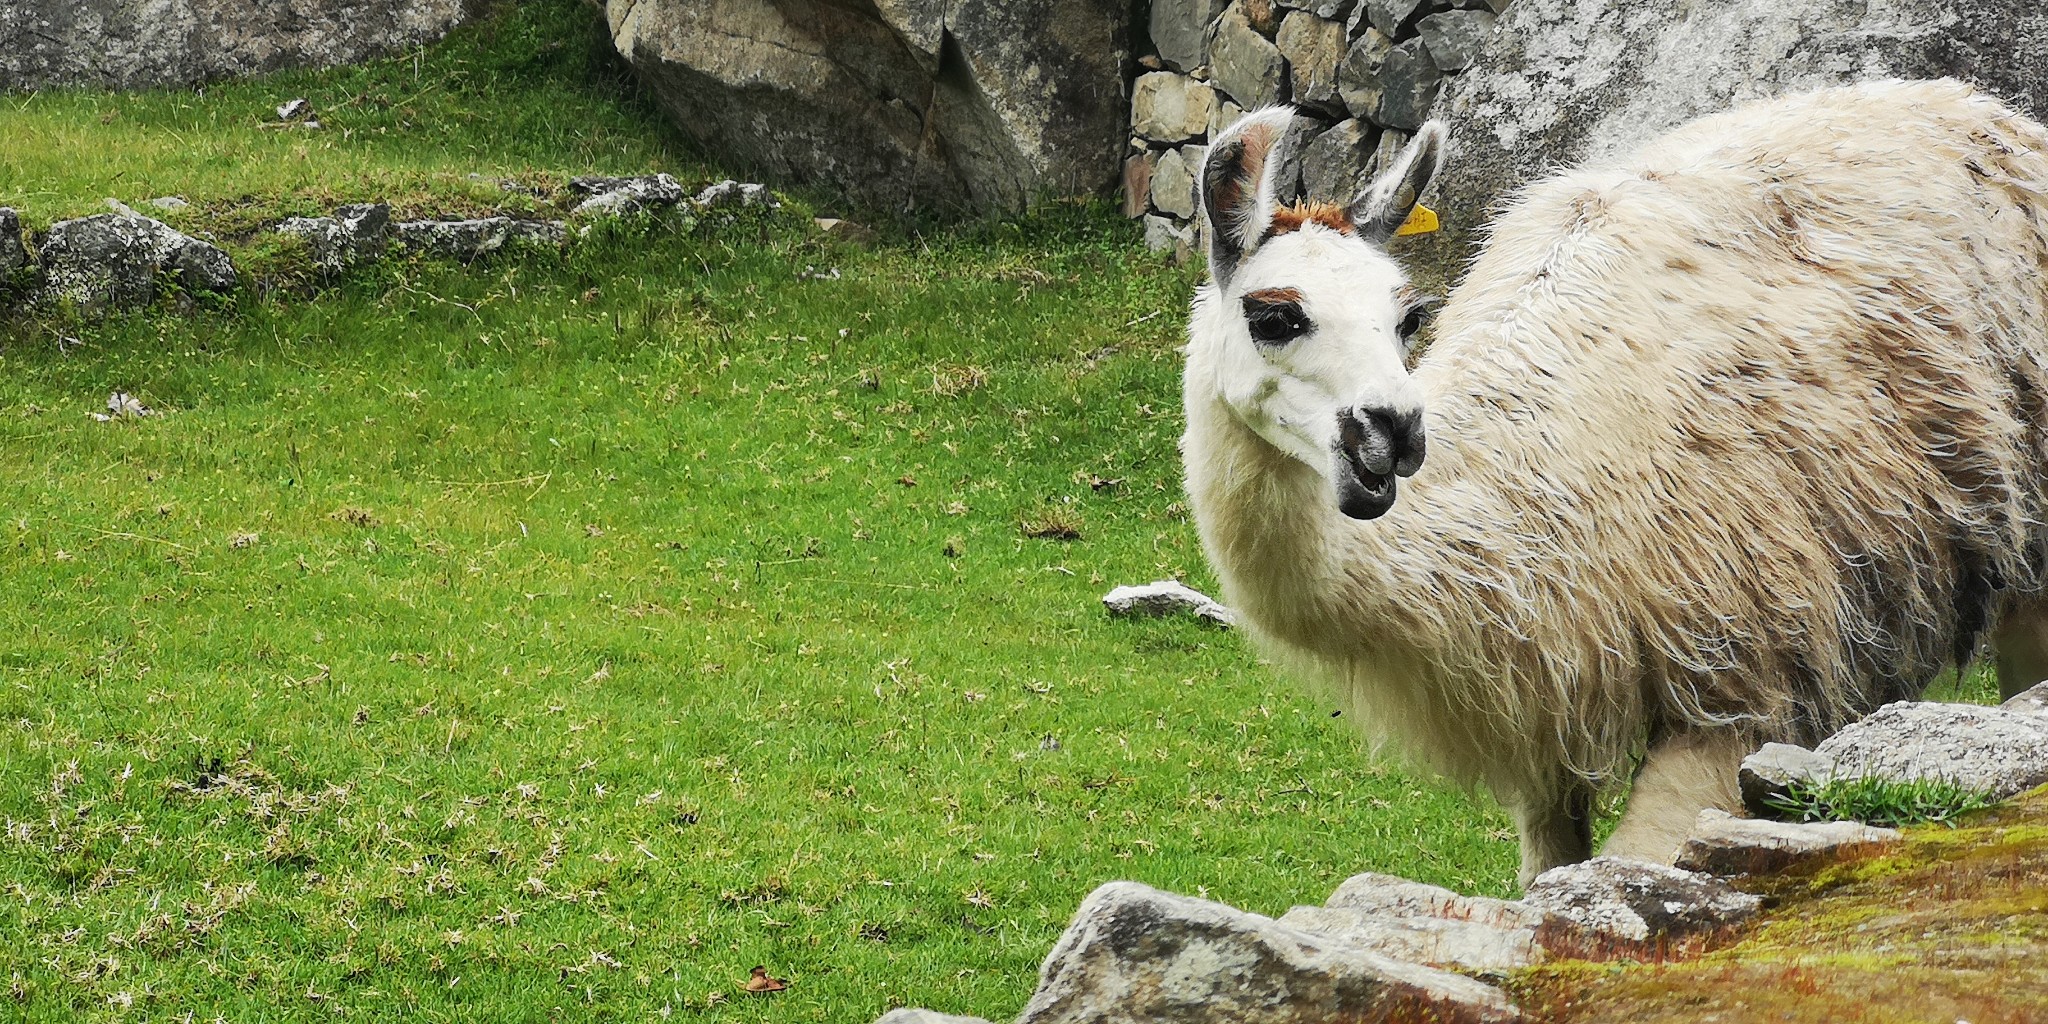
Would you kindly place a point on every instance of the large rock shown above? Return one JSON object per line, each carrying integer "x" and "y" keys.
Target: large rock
{"x": 1723, "y": 844}
{"x": 1640, "y": 907}
{"x": 1135, "y": 955}
{"x": 1244, "y": 64}
{"x": 1562, "y": 81}
{"x": 117, "y": 259}
{"x": 1996, "y": 751}
{"x": 958, "y": 106}
{"x": 125, "y": 44}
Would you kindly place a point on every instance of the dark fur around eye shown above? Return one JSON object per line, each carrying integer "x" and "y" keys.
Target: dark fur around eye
{"x": 1412, "y": 320}
{"x": 1275, "y": 323}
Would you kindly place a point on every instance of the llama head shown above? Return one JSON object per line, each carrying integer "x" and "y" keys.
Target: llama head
{"x": 1305, "y": 325}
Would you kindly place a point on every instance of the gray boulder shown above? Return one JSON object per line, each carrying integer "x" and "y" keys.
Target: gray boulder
{"x": 1135, "y": 955}
{"x": 355, "y": 234}
{"x": 467, "y": 240}
{"x": 116, "y": 259}
{"x": 1723, "y": 844}
{"x": 1639, "y": 906}
{"x": 1562, "y": 81}
{"x": 1180, "y": 31}
{"x": 123, "y": 44}
{"x": 1997, "y": 751}
{"x": 1244, "y": 64}
{"x": 13, "y": 255}
{"x": 958, "y": 106}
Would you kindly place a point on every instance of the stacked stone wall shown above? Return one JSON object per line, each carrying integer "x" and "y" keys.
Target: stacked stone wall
{"x": 1363, "y": 75}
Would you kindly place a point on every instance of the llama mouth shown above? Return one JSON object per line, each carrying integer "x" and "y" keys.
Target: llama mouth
{"x": 1362, "y": 494}
{"x": 1366, "y": 466}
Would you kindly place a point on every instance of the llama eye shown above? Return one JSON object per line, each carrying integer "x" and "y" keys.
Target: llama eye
{"x": 1413, "y": 319}
{"x": 1410, "y": 324}
{"x": 1275, "y": 323}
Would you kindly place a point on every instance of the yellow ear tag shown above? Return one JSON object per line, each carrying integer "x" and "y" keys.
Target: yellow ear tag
{"x": 1421, "y": 221}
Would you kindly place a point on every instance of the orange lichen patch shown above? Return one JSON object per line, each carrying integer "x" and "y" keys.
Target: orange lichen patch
{"x": 1269, "y": 296}
{"x": 1951, "y": 925}
{"x": 1300, "y": 215}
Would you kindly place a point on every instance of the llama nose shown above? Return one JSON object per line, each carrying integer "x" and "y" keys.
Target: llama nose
{"x": 1382, "y": 441}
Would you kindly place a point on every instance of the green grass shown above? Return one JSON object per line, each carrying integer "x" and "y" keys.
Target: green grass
{"x": 1876, "y": 801}
{"x": 560, "y": 638}
{"x": 534, "y": 94}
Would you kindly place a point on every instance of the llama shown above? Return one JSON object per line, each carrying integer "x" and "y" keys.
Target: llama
{"x": 1729, "y": 441}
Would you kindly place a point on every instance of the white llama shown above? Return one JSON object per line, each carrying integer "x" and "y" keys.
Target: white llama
{"x": 1729, "y": 441}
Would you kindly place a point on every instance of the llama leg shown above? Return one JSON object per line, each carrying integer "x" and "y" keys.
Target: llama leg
{"x": 2022, "y": 643}
{"x": 1556, "y": 828}
{"x": 1681, "y": 776}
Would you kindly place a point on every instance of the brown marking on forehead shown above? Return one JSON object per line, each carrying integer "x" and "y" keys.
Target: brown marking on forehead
{"x": 1269, "y": 296}
{"x": 1300, "y": 215}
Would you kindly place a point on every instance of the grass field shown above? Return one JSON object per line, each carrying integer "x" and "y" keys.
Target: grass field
{"x": 558, "y": 638}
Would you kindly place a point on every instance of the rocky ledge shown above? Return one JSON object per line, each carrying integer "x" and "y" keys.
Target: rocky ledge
{"x": 125, "y": 259}
{"x": 1919, "y": 920}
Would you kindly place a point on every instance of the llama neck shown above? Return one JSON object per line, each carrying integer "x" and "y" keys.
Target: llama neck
{"x": 1287, "y": 559}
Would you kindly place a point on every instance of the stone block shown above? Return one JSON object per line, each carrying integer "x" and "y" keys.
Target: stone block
{"x": 1244, "y": 64}
{"x": 1170, "y": 107}
{"x": 1180, "y": 31}
{"x": 1313, "y": 48}
{"x": 1722, "y": 844}
{"x": 1135, "y": 955}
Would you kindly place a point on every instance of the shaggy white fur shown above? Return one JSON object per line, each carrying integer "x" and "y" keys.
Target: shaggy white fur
{"x": 1732, "y": 440}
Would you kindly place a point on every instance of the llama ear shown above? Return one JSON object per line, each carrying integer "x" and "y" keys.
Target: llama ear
{"x": 1237, "y": 187}
{"x": 1392, "y": 196}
